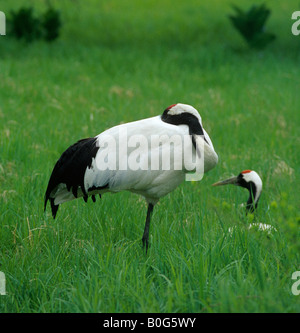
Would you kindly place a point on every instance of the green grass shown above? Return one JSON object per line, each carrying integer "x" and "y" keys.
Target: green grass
{"x": 127, "y": 60}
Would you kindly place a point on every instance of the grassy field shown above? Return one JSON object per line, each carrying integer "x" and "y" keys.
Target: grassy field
{"x": 119, "y": 61}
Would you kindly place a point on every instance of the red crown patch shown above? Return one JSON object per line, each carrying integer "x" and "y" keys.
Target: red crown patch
{"x": 246, "y": 171}
{"x": 170, "y": 107}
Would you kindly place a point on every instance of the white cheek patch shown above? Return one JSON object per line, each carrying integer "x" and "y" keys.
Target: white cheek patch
{"x": 252, "y": 176}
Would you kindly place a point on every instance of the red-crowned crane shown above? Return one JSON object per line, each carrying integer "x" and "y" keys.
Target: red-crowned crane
{"x": 100, "y": 164}
{"x": 251, "y": 181}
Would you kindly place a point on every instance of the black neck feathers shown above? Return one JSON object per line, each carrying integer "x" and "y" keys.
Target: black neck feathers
{"x": 184, "y": 118}
{"x": 251, "y": 204}
{"x": 251, "y": 187}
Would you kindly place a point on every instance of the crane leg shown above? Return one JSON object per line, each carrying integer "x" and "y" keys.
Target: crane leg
{"x": 145, "y": 238}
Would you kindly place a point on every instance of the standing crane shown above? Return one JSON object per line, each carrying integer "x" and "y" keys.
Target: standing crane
{"x": 98, "y": 165}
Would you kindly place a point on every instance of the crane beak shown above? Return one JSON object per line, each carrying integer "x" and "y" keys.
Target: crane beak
{"x": 232, "y": 180}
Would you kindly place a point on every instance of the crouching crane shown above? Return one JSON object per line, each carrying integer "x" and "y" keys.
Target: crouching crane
{"x": 250, "y": 180}
{"x": 98, "y": 165}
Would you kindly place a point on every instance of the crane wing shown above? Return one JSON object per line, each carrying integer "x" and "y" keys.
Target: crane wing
{"x": 68, "y": 173}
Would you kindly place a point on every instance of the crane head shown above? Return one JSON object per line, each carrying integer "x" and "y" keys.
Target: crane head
{"x": 250, "y": 180}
